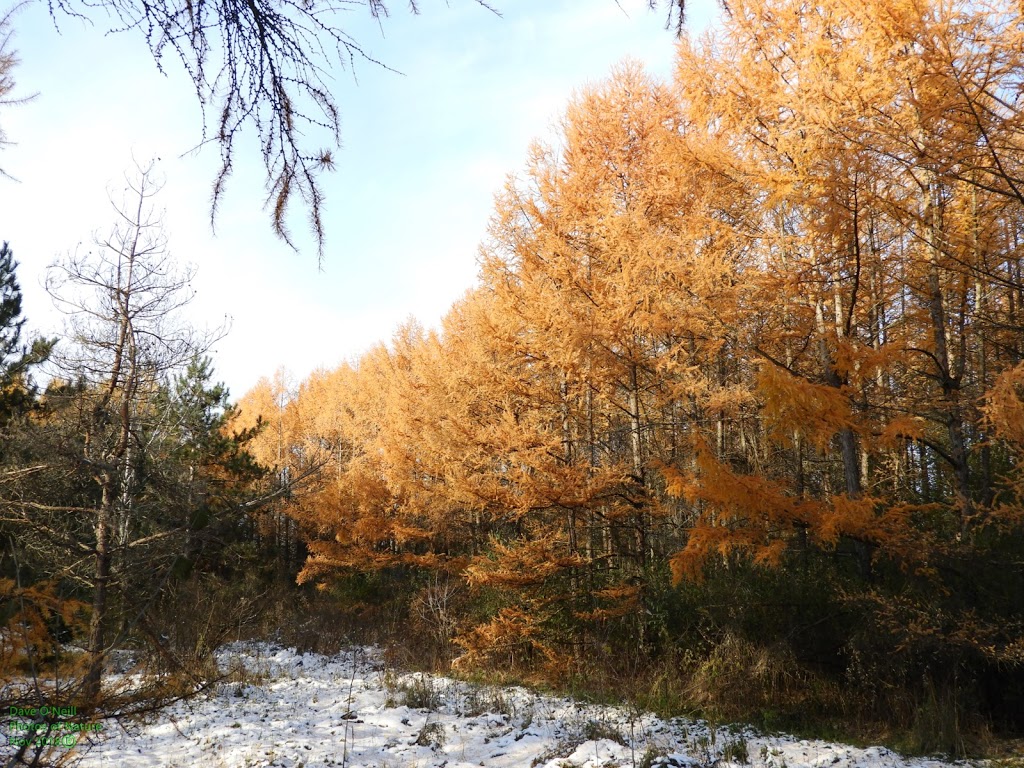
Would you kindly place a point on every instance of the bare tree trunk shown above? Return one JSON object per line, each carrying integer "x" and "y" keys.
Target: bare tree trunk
{"x": 846, "y": 439}
{"x": 101, "y": 576}
{"x": 637, "y": 462}
{"x": 568, "y": 447}
{"x": 950, "y": 383}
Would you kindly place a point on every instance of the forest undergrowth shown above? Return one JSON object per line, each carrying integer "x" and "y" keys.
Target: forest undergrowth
{"x": 735, "y": 681}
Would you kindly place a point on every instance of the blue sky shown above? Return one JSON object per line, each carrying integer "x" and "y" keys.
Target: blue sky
{"x": 423, "y": 154}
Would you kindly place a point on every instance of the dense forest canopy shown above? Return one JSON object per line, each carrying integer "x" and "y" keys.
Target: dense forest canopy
{"x": 753, "y": 335}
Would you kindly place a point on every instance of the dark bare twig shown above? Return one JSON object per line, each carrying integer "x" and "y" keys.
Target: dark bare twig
{"x": 259, "y": 65}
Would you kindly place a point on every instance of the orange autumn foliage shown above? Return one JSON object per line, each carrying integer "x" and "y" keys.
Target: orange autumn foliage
{"x": 772, "y": 306}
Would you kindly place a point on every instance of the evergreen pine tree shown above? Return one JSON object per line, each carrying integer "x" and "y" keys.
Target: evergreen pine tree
{"x": 15, "y": 358}
{"x": 11, "y": 320}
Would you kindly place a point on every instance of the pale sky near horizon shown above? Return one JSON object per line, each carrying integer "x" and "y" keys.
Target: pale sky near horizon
{"x": 423, "y": 154}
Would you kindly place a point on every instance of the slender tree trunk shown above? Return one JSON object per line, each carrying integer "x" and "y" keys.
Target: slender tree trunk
{"x": 636, "y": 456}
{"x": 101, "y": 578}
{"x": 926, "y": 482}
{"x": 846, "y": 439}
{"x": 950, "y": 384}
{"x": 568, "y": 456}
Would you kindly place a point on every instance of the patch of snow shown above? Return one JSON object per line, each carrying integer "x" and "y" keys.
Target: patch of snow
{"x": 303, "y": 710}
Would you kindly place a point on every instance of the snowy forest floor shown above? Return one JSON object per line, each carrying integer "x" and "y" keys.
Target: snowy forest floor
{"x": 304, "y": 710}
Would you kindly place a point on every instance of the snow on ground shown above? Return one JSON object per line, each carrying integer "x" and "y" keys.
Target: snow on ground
{"x": 312, "y": 711}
